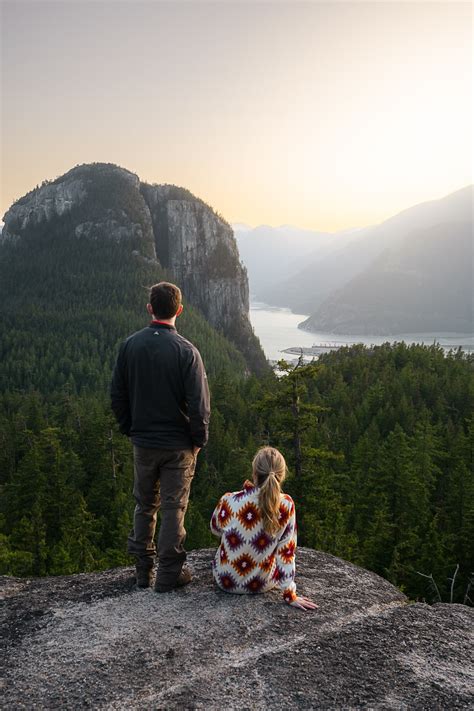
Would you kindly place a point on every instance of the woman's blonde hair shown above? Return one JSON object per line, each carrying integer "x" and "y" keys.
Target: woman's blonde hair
{"x": 269, "y": 471}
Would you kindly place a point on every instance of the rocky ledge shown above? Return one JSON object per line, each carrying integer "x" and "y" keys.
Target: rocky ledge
{"x": 93, "y": 641}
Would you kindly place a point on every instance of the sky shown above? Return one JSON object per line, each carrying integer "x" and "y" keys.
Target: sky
{"x": 325, "y": 115}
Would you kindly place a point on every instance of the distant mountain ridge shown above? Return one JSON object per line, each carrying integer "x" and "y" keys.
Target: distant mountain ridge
{"x": 420, "y": 281}
{"x": 423, "y": 286}
{"x": 345, "y": 282}
{"x": 271, "y": 254}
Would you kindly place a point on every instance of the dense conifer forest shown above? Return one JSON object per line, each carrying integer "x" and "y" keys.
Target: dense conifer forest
{"x": 379, "y": 442}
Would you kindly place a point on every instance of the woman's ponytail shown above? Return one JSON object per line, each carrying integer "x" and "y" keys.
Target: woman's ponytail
{"x": 269, "y": 470}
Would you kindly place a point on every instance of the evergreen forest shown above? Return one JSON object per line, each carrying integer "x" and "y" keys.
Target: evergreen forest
{"x": 379, "y": 441}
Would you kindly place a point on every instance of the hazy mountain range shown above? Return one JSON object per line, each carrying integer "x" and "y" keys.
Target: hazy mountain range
{"x": 272, "y": 254}
{"x": 411, "y": 273}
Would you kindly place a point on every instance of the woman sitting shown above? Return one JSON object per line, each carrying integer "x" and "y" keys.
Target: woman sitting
{"x": 257, "y": 528}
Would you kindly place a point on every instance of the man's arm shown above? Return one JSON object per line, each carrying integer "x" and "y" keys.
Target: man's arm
{"x": 197, "y": 398}
{"x": 119, "y": 394}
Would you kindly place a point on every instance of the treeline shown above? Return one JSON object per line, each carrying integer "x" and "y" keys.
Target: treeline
{"x": 382, "y": 443}
{"x": 66, "y": 479}
{"x": 65, "y": 307}
{"x": 65, "y": 473}
{"x": 379, "y": 442}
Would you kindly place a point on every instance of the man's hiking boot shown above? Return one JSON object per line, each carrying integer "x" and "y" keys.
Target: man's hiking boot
{"x": 184, "y": 578}
{"x": 144, "y": 577}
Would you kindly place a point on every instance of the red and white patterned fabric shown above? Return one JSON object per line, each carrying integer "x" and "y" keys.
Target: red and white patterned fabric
{"x": 248, "y": 559}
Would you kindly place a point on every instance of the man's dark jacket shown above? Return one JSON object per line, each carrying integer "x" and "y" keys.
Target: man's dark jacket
{"x": 159, "y": 390}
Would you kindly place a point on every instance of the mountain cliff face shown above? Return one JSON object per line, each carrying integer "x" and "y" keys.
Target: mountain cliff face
{"x": 93, "y": 641}
{"x": 199, "y": 250}
{"x": 162, "y": 224}
{"x": 91, "y": 202}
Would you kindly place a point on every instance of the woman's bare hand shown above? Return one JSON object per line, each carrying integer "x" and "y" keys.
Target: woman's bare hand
{"x": 304, "y": 603}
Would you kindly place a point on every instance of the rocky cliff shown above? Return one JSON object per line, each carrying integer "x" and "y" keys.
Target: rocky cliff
{"x": 93, "y": 641}
{"x": 162, "y": 223}
{"x": 200, "y": 251}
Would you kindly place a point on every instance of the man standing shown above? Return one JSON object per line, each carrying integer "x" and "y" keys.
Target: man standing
{"x": 160, "y": 398}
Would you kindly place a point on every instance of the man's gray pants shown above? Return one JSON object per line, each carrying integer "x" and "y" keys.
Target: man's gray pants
{"x": 162, "y": 480}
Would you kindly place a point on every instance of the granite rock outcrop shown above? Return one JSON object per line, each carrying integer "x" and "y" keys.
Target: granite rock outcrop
{"x": 93, "y": 641}
{"x": 198, "y": 248}
{"x": 164, "y": 223}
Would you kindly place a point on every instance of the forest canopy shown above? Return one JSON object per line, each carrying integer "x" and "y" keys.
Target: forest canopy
{"x": 379, "y": 441}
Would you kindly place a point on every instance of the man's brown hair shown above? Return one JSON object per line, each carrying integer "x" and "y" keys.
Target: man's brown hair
{"x": 165, "y": 299}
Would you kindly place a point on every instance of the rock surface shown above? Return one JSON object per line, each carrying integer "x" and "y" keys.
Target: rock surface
{"x": 93, "y": 641}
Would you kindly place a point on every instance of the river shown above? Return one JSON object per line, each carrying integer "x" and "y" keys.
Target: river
{"x": 277, "y": 329}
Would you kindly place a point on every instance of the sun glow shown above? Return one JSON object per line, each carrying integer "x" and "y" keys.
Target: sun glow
{"x": 324, "y": 115}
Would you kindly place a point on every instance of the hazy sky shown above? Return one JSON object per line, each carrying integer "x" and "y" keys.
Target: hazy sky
{"x": 320, "y": 114}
